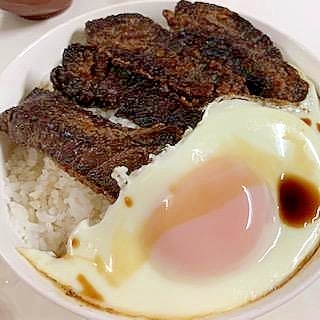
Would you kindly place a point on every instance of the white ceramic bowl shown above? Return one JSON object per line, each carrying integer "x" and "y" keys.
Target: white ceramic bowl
{"x": 32, "y": 67}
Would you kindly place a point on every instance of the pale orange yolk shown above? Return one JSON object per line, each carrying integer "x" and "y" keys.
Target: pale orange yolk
{"x": 210, "y": 220}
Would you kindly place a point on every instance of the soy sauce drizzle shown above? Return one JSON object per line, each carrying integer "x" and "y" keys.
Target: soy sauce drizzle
{"x": 88, "y": 289}
{"x": 308, "y": 121}
{"x": 299, "y": 200}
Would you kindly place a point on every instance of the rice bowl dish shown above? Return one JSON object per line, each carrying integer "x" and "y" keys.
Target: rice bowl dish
{"x": 64, "y": 202}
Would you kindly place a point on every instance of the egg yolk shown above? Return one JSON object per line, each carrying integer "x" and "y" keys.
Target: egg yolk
{"x": 209, "y": 220}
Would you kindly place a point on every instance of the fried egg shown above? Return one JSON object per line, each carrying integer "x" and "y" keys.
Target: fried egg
{"x": 221, "y": 219}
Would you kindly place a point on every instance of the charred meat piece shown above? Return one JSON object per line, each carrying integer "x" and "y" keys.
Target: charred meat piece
{"x": 141, "y": 101}
{"x": 213, "y": 19}
{"x": 147, "y": 108}
{"x": 128, "y": 30}
{"x": 86, "y": 72}
{"x": 138, "y": 44}
{"x": 86, "y": 77}
{"x": 86, "y": 146}
{"x": 90, "y": 82}
{"x": 80, "y": 73}
{"x": 222, "y": 62}
{"x": 267, "y": 74}
{"x": 152, "y": 75}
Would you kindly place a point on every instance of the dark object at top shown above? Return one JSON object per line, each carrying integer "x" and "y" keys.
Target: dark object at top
{"x": 35, "y": 9}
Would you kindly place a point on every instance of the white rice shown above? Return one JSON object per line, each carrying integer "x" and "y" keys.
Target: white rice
{"x": 45, "y": 202}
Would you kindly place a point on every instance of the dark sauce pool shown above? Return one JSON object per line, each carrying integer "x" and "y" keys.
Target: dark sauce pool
{"x": 299, "y": 200}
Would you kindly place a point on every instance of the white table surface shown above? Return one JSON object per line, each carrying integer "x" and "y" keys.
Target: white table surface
{"x": 298, "y": 19}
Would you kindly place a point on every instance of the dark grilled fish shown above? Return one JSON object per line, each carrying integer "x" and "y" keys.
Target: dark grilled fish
{"x": 82, "y": 78}
{"x": 86, "y": 146}
{"x": 254, "y": 54}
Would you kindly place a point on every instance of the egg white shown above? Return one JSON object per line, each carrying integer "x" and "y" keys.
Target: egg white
{"x": 269, "y": 142}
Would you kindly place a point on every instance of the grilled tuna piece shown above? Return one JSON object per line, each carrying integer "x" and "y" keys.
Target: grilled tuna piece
{"x": 91, "y": 81}
{"x": 138, "y": 44}
{"x": 153, "y": 75}
{"x": 79, "y": 73}
{"x": 86, "y": 146}
{"x": 141, "y": 101}
{"x": 227, "y": 34}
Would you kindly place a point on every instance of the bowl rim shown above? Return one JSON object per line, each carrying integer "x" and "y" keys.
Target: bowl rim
{"x": 48, "y": 290}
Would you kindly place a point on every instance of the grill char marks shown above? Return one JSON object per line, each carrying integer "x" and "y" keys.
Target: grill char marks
{"x": 88, "y": 147}
{"x": 260, "y": 62}
{"x": 87, "y": 77}
{"x": 141, "y": 101}
{"x": 138, "y": 44}
{"x": 79, "y": 75}
{"x": 153, "y": 75}
{"x": 216, "y": 58}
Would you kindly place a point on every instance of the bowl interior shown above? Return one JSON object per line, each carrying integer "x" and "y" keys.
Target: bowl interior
{"x": 31, "y": 68}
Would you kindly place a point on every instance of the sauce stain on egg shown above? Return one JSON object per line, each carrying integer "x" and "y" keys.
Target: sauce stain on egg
{"x": 308, "y": 121}
{"x": 128, "y": 201}
{"x": 88, "y": 289}
{"x": 75, "y": 243}
{"x": 299, "y": 200}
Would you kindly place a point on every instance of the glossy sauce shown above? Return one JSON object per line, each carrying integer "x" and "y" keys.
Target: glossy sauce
{"x": 299, "y": 200}
{"x": 307, "y": 121}
{"x": 75, "y": 243}
{"x": 128, "y": 202}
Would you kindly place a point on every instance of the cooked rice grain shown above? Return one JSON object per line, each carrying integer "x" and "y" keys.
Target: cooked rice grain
{"x": 45, "y": 202}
